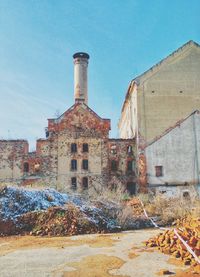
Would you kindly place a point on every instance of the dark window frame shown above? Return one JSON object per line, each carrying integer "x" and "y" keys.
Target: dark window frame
{"x": 85, "y": 164}
{"x": 73, "y": 183}
{"x": 85, "y": 183}
{"x": 130, "y": 166}
{"x": 26, "y": 167}
{"x": 159, "y": 170}
{"x": 113, "y": 165}
{"x": 73, "y": 148}
{"x": 73, "y": 165}
{"x": 85, "y": 148}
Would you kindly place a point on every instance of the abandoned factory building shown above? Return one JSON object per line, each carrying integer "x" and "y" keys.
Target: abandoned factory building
{"x": 77, "y": 152}
{"x": 166, "y": 98}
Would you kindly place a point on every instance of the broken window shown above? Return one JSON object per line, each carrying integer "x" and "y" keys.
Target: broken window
{"x": 129, "y": 149}
{"x": 85, "y": 147}
{"x": 130, "y": 166}
{"x": 73, "y": 148}
{"x": 73, "y": 183}
{"x": 159, "y": 170}
{"x": 73, "y": 164}
{"x": 114, "y": 165}
{"x": 26, "y": 167}
{"x": 37, "y": 167}
{"x": 85, "y": 183}
{"x": 113, "y": 149}
{"x": 85, "y": 164}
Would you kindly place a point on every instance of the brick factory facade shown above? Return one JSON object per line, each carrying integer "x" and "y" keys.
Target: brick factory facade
{"x": 77, "y": 153}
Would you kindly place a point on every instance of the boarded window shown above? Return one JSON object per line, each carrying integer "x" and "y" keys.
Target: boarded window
{"x": 73, "y": 148}
{"x": 26, "y": 167}
{"x": 73, "y": 164}
{"x": 85, "y": 183}
{"x": 85, "y": 147}
{"x": 114, "y": 165}
{"x": 159, "y": 170}
{"x": 73, "y": 183}
{"x": 85, "y": 164}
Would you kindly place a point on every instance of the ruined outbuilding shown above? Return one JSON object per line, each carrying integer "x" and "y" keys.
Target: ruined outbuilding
{"x": 77, "y": 152}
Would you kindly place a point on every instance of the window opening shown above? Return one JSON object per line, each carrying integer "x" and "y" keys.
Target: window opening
{"x": 73, "y": 164}
{"x": 85, "y": 183}
{"x": 85, "y": 164}
{"x": 159, "y": 170}
{"x": 73, "y": 148}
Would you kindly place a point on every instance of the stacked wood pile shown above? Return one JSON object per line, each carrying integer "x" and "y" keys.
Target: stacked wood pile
{"x": 168, "y": 242}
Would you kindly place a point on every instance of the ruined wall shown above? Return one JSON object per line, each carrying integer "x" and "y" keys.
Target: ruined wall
{"x": 11, "y": 160}
{"x": 178, "y": 152}
{"x": 123, "y": 152}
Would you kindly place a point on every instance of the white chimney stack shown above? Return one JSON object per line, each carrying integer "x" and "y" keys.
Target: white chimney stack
{"x": 80, "y": 77}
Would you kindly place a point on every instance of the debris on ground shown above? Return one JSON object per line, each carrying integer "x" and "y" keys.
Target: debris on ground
{"x": 168, "y": 242}
{"x": 136, "y": 206}
{"x": 49, "y": 212}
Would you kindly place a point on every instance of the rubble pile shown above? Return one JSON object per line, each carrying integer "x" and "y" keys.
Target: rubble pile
{"x": 61, "y": 221}
{"x": 48, "y": 212}
{"x": 167, "y": 242}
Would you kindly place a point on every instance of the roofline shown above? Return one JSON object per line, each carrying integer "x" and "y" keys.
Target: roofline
{"x": 190, "y": 42}
{"x": 128, "y": 93}
{"x": 177, "y": 124}
{"x": 76, "y": 104}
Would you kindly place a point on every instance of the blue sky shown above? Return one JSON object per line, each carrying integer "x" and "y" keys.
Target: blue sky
{"x": 123, "y": 38}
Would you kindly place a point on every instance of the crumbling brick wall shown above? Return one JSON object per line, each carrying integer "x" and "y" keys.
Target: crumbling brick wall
{"x": 11, "y": 160}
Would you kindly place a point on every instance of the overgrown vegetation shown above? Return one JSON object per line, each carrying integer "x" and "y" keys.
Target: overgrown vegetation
{"x": 169, "y": 209}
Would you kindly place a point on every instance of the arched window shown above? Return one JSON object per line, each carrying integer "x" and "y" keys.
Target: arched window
{"x": 26, "y": 167}
{"x": 85, "y": 183}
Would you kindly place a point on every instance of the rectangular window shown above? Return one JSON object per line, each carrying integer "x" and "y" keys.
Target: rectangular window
{"x": 85, "y": 147}
{"x": 73, "y": 148}
{"x": 73, "y": 164}
{"x": 130, "y": 166}
{"x": 73, "y": 183}
{"x": 159, "y": 170}
{"x": 85, "y": 183}
{"x": 131, "y": 188}
{"x": 85, "y": 164}
{"x": 129, "y": 149}
{"x": 114, "y": 165}
{"x": 26, "y": 167}
{"x": 113, "y": 149}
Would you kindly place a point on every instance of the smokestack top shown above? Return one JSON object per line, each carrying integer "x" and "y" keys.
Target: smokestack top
{"x": 81, "y": 55}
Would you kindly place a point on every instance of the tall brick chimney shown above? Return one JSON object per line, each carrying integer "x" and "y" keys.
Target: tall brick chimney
{"x": 80, "y": 77}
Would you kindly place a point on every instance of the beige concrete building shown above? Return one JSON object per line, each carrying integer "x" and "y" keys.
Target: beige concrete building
{"x": 77, "y": 152}
{"x": 162, "y": 95}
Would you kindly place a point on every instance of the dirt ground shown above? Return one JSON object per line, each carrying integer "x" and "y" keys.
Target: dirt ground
{"x": 122, "y": 254}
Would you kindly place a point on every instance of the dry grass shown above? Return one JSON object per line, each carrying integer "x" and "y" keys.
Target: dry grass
{"x": 170, "y": 209}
